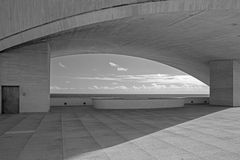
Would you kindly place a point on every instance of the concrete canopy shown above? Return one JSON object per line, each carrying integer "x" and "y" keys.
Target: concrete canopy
{"x": 185, "y": 34}
{"x": 185, "y": 40}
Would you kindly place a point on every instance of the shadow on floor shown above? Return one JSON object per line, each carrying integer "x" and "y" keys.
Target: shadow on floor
{"x": 86, "y": 133}
{"x": 86, "y": 129}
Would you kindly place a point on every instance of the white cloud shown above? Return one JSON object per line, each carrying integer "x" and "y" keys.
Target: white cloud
{"x": 140, "y": 87}
{"x": 61, "y": 65}
{"x": 113, "y": 64}
{"x": 147, "y": 82}
{"x": 162, "y": 79}
{"x": 54, "y": 88}
{"x": 61, "y": 88}
{"x": 108, "y": 87}
{"x": 149, "y": 87}
{"x": 98, "y": 78}
{"x": 155, "y": 86}
{"x": 158, "y": 86}
{"x": 122, "y": 69}
{"x": 157, "y": 79}
{"x": 118, "y": 67}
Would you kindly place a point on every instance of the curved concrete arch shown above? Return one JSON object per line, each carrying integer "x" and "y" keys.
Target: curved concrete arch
{"x": 126, "y": 11}
{"x": 99, "y": 12}
{"x": 198, "y": 37}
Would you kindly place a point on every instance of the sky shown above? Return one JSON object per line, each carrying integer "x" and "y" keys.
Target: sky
{"x": 117, "y": 74}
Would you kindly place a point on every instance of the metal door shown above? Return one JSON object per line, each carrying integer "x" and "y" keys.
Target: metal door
{"x": 10, "y": 99}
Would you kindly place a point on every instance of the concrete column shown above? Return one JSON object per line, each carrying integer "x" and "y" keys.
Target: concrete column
{"x": 29, "y": 68}
{"x": 225, "y": 82}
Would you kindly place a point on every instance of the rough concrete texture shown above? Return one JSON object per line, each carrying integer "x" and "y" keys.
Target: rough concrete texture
{"x": 116, "y": 103}
{"x": 73, "y": 133}
{"x": 186, "y": 34}
{"x": 224, "y": 82}
{"x": 28, "y": 68}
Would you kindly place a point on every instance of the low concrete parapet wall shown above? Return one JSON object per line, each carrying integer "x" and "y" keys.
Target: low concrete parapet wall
{"x": 103, "y": 103}
{"x": 70, "y": 101}
{"x": 196, "y": 100}
{"x": 124, "y": 102}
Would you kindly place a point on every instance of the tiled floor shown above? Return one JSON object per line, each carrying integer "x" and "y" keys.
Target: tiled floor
{"x": 88, "y": 134}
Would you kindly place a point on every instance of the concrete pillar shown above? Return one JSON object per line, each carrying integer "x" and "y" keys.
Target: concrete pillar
{"x": 29, "y": 68}
{"x": 225, "y": 82}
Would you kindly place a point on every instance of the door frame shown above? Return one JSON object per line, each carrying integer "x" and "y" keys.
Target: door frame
{"x": 2, "y": 86}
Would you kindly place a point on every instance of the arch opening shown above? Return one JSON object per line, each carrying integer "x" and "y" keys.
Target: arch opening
{"x": 118, "y": 74}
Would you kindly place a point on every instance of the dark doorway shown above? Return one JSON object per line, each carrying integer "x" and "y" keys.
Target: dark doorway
{"x": 10, "y": 99}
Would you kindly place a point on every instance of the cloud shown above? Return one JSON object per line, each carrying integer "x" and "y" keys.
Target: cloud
{"x": 150, "y": 80}
{"x": 98, "y": 78}
{"x": 161, "y": 79}
{"x": 118, "y": 67}
{"x": 122, "y": 69}
{"x": 158, "y": 86}
{"x": 61, "y": 65}
{"x": 108, "y": 87}
{"x": 61, "y": 88}
{"x": 155, "y": 86}
{"x": 168, "y": 79}
{"x": 55, "y": 88}
{"x": 113, "y": 64}
{"x": 150, "y": 87}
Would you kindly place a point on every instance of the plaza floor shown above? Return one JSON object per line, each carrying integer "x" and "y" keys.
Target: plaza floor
{"x": 76, "y": 133}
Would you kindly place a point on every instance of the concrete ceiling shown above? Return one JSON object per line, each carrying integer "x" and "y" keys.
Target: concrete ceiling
{"x": 186, "y": 34}
{"x": 185, "y": 40}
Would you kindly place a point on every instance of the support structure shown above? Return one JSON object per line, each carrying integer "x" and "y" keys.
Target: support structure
{"x": 28, "y": 68}
{"x": 184, "y": 34}
{"x": 225, "y": 82}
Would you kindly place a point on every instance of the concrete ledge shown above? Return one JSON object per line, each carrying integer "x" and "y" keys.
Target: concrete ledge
{"x": 120, "y": 103}
{"x": 70, "y": 101}
{"x": 196, "y": 100}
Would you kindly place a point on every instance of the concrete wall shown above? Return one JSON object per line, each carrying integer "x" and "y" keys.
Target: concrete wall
{"x": 137, "y": 103}
{"x": 70, "y": 101}
{"x": 28, "y": 67}
{"x": 236, "y": 83}
{"x": 73, "y": 100}
{"x": 225, "y": 83}
{"x": 221, "y": 83}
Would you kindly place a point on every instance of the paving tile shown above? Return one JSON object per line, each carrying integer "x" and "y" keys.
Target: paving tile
{"x": 78, "y": 146}
{"x": 127, "y": 151}
{"x": 94, "y": 155}
{"x": 11, "y": 145}
{"x": 46, "y": 142}
{"x": 223, "y": 155}
{"x": 10, "y": 122}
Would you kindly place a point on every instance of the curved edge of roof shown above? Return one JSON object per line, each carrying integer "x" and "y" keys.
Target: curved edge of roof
{"x": 113, "y": 13}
